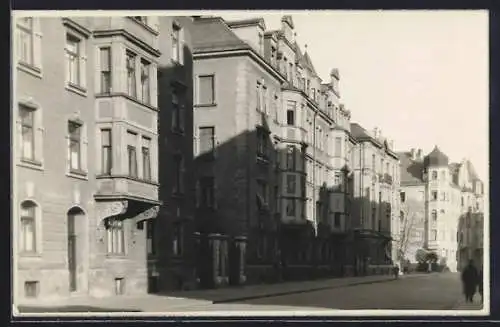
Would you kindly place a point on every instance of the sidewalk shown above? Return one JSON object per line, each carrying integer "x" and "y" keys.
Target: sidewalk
{"x": 185, "y": 299}
{"x": 462, "y": 305}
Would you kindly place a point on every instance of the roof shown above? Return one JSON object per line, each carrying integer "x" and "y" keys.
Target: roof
{"x": 213, "y": 34}
{"x": 298, "y": 53}
{"x": 308, "y": 63}
{"x": 436, "y": 158}
{"x": 411, "y": 170}
{"x": 358, "y": 132}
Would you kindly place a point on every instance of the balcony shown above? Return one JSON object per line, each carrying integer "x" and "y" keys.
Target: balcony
{"x": 296, "y": 134}
{"x": 115, "y": 187}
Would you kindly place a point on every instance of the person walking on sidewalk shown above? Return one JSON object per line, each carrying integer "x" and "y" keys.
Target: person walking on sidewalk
{"x": 395, "y": 271}
{"x": 469, "y": 281}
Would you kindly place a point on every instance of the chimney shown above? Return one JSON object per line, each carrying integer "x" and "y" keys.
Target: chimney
{"x": 413, "y": 154}
{"x": 375, "y": 132}
{"x": 419, "y": 154}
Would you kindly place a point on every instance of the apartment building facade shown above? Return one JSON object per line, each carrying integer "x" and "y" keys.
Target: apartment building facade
{"x": 376, "y": 200}
{"x": 447, "y": 193}
{"x": 264, "y": 125}
{"x": 85, "y": 170}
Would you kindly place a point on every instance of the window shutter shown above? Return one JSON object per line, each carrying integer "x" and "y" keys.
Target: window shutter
{"x": 181, "y": 45}
{"x": 197, "y": 194}
{"x": 84, "y": 147}
{"x": 195, "y": 141}
{"x": 215, "y": 193}
{"x": 39, "y": 131}
{"x": 37, "y": 43}
{"x": 83, "y": 64}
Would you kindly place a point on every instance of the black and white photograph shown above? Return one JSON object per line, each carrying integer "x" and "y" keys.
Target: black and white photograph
{"x": 250, "y": 163}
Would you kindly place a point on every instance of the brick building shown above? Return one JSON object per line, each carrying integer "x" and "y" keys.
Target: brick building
{"x": 85, "y": 172}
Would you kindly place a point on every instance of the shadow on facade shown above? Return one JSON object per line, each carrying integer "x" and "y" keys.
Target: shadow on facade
{"x": 171, "y": 257}
{"x": 239, "y": 237}
{"x": 469, "y": 244}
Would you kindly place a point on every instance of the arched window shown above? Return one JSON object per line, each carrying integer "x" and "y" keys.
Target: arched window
{"x": 434, "y": 175}
{"x": 27, "y": 229}
{"x": 434, "y": 215}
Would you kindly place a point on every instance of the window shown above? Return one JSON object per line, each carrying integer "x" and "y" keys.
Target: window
{"x": 179, "y": 174}
{"x": 106, "y": 151}
{"x": 401, "y": 216}
{"x": 176, "y": 43}
{"x": 462, "y": 201}
{"x": 434, "y": 175}
{"x": 131, "y": 81}
{"x": 75, "y": 158}
{"x": 177, "y": 112}
{"x": 262, "y": 191}
{"x": 433, "y": 235}
{"x": 26, "y": 40}
{"x": 290, "y": 113}
{"x": 207, "y": 192}
{"x": 273, "y": 56}
{"x": 116, "y": 237}
{"x": 31, "y": 289}
{"x": 146, "y": 158}
{"x": 264, "y": 100}
{"x": 105, "y": 54}
{"x": 434, "y": 195}
{"x": 379, "y": 225}
{"x": 28, "y": 227}
{"x": 336, "y": 220}
{"x": 26, "y": 116}
{"x": 262, "y": 143}
{"x": 291, "y": 182}
{"x": 177, "y": 239}
{"x": 258, "y": 99}
{"x": 374, "y": 162}
{"x": 145, "y": 82}
{"x": 206, "y": 90}
{"x": 207, "y": 140}
{"x": 290, "y": 158}
{"x": 338, "y": 146}
{"x": 150, "y": 236}
{"x": 290, "y": 207}
{"x": 132, "y": 154}
{"x": 73, "y": 45}
{"x": 336, "y": 179}
{"x": 275, "y": 107}
{"x": 402, "y": 195}
{"x": 434, "y": 215}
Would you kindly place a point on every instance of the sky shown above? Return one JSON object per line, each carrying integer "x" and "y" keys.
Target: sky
{"x": 419, "y": 76}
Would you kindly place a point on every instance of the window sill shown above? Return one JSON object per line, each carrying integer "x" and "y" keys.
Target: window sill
{"x": 30, "y": 255}
{"x": 116, "y": 256}
{"x": 79, "y": 174}
{"x": 205, "y": 105}
{"x": 30, "y": 69}
{"x": 77, "y": 89}
{"x": 31, "y": 164}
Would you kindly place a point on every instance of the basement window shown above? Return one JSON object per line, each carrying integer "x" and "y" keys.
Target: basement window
{"x": 31, "y": 289}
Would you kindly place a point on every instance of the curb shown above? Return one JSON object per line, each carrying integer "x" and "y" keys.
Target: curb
{"x": 262, "y": 296}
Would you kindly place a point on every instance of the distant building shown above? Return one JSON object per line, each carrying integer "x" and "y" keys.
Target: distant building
{"x": 445, "y": 193}
{"x": 85, "y": 161}
{"x": 376, "y": 201}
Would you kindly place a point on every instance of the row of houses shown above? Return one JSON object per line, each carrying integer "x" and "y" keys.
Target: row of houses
{"x": 165, "y": 153}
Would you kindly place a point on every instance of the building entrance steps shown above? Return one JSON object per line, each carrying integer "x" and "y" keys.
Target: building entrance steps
{"x": 179, "y": 299}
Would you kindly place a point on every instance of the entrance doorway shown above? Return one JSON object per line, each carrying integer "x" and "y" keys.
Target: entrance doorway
{"x": 74, "y": 258}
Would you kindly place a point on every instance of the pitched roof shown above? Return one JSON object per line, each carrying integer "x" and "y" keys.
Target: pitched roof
{"x": 308, "y": 63}
{"x": 436, "y": 158}
{"x": 359, "y": 132}
{"x": 249, "y": 21}
{"x": 411, "y": 170}
{"x": 298, "y": 53}
{"x": 213, "y": 34}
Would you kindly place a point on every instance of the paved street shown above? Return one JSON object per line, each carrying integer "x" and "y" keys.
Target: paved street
{"x": 421, "y": 292}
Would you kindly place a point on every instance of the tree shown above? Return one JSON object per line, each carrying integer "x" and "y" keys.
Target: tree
{"x": 409, "y": 220}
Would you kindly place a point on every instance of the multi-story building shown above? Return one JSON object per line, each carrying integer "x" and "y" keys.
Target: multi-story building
{"x": 267, "y": 167}
{"x": 445, "y": 193}
{"x": 376, "y": 200}
{"x": 85, "y": 173}
{"x": 171, "y": 247}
